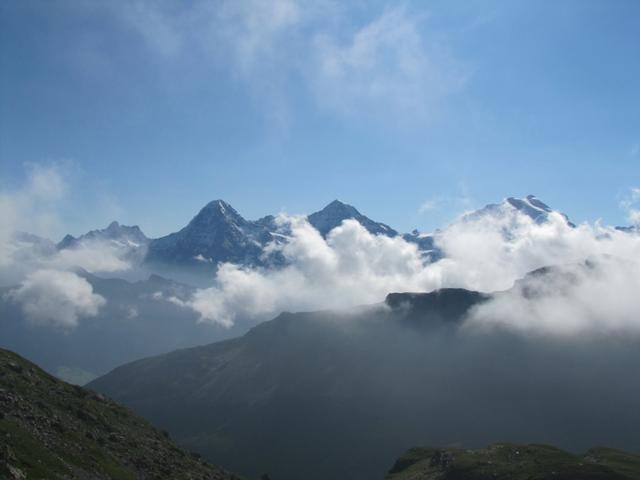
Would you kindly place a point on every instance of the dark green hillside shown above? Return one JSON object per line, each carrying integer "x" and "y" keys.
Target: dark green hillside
{"x": 515, "y": 462}
{"x": 50, "y": 429}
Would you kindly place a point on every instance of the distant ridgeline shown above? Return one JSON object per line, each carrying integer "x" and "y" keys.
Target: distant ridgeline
{"x": 218, "y": 233}
{"x": 341, "y": 394}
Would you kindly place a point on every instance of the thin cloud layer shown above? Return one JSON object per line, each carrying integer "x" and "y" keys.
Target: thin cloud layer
{"x": 56, "y": 298}
{"x": 384, "y": 65}
{"x": 630, "y": 205}
{"x": 31, "y": 207}
{"x": 34, "y": 207}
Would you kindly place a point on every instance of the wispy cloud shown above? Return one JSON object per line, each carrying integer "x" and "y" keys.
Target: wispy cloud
{"x": 32, "y": 206}
{"x": 429, "y": 205}
{"x": 630, "y": 205}
{"x": 385, "y": 67}
{"x": 35, "y": 207}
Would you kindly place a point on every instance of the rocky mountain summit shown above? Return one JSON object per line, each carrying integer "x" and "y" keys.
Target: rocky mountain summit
{"x": 218, "y": 233}
{"x": 531, "y": 206}
{"x": 130, "y": 236}
{"x": 337, "y": 212}
{"x": 50, "y": 429}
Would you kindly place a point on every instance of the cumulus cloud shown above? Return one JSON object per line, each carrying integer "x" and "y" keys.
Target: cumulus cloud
{"x": 93, "y": 256}
{"x": 351, "y": 266}
{"x": 599, "y": 296}
{"x": 56, "y": 298}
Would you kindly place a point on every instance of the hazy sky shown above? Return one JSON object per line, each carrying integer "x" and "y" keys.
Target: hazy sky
{"x": 411, "y": 111}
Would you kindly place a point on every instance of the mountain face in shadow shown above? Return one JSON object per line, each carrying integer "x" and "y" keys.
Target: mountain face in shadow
{"x": 337, "y": 212}
{"x": 342, "y": 394}
{"x": 50, "y": 429}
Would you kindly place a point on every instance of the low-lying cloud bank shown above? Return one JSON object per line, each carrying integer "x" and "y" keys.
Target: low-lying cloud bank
{"x": 598, "y": 296}
{"x": 486, "y": 253}
{"x": 56, "y": 298}
{"x": 49, "y": 292}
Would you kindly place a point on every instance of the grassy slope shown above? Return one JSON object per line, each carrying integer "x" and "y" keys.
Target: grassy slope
{"x": 50, "y": 429}
{"x": 515, "y": 462}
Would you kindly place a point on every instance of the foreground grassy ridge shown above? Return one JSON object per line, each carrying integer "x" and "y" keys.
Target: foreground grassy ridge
{"x": 50, "y": 429}
{"x": 515, "y": 462}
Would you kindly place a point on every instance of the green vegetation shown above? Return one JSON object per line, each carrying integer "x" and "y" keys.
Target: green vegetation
{"x": 51, "y": 429}
{"x": 515, "y": 462}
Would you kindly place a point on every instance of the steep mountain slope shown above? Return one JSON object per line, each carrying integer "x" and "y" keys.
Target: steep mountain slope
{"x": 515, "y": 462}
{"x": 530, "y": 206}
{"x": 299, "y": 392}
{"x": 50, "y": 429}
{"x": 336, "y": 212}
{"x": 216, "y": 234}
{"x": 341, "y": 394}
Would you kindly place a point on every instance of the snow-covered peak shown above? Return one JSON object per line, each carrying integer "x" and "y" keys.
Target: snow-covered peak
{"x": 531, "y": 206}
{"x": 121, "y": 234}
{"x": 336, "y": 212}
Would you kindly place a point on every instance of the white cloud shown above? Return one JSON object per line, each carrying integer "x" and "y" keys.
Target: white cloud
{"x": 350, "y": 267}
{"x": 34, "y": 207}
{"x": 599, "y": 297}
{"x": 93, "y": 256}
{"x": 353, "y": 267}
{"x": 56, "y": 298}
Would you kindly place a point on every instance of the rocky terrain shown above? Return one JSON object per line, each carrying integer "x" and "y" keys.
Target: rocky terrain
{"x": 50, "y": 429}
{"x": 515, "y": 462}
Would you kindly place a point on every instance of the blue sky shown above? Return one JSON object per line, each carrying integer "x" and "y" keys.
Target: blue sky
{"x": 411, "y": 111}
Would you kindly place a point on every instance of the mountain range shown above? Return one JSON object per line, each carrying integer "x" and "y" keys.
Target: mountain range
{"x": 341, "y": 394}
{"x": 331, "y": 393}
{"x": 218, "y": 233}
